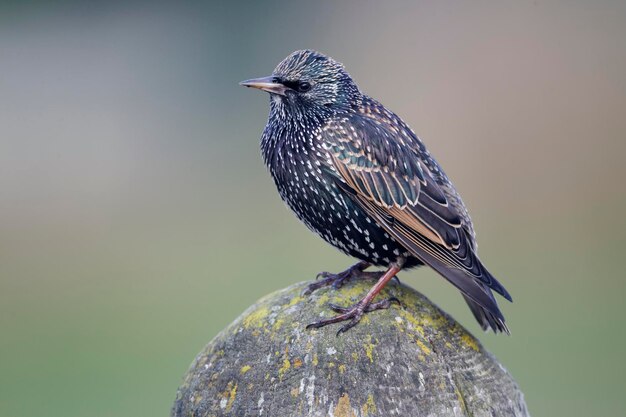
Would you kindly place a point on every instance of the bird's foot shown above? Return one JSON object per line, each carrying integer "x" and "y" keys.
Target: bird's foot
{"x": 336, "y": 280}
{"x": 353, "y": 313}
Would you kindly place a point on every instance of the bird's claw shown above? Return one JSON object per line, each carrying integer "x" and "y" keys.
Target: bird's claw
{"x": 353, "y": 313}
{"x": 349, "y": 325}
{"x": 379, "y": 305}
{"x": 325, "y": 278}
{"x": 324, "y": 274}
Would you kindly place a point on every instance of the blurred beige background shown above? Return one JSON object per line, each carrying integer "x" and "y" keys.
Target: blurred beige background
{"x": 137, "y": 219}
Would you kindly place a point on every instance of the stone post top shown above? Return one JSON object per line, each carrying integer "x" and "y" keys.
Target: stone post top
{"x": 411, "y": 360}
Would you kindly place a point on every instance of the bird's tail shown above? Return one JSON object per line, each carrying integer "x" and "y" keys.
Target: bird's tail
{"x": 485, "y": 318}
{"x": 477, "y": 294}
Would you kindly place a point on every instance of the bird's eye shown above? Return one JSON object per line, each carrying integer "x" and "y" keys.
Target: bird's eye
{"x": 304, "y": 86}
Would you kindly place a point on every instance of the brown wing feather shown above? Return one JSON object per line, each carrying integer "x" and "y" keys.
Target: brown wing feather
{"x": 396, "y": 211}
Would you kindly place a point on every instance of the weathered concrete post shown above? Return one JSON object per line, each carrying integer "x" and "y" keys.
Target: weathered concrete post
{"x": 408, "y": 361}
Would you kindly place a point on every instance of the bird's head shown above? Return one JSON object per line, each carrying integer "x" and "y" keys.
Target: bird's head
{"x": 308, "y": 81}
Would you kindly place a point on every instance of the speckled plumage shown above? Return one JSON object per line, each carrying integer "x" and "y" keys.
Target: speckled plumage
{"x": 360, "y": 178}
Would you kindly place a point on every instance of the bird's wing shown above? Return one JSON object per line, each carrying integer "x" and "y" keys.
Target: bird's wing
{"x": 376, "y": 161}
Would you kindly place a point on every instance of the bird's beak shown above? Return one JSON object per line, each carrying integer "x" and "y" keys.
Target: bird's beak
{"x": 265, "y": 84}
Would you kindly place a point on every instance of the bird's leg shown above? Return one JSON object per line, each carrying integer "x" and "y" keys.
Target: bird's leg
{"x": 336, "y": 280}
{"x": 356, "y": 311}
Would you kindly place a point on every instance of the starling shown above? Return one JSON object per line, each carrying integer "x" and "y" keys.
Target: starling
{"x": 358, "y": 176}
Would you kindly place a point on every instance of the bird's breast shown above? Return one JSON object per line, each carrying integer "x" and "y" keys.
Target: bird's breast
{"x": 307, "y": 182}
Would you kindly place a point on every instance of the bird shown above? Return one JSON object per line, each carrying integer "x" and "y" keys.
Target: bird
{"x": 358, "y": 176}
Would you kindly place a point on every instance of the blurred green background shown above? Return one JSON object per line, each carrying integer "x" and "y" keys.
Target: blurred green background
{"x": 137, "y": 219}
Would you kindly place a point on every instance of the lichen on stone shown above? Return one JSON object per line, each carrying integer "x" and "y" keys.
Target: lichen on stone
{"x": 410, "y": 360}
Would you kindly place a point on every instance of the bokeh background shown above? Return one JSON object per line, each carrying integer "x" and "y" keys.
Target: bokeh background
{"x": 137, "y": 219}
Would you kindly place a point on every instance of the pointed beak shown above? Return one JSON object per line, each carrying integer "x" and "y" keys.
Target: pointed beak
{"x": 265, "y": 84}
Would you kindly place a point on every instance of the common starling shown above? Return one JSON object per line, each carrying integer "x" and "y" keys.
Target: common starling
{"x": 359, "y": 177}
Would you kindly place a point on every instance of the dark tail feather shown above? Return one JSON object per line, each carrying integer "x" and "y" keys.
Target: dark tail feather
{"x": 478, "y": 296}
{"x": 486, "y": 319}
